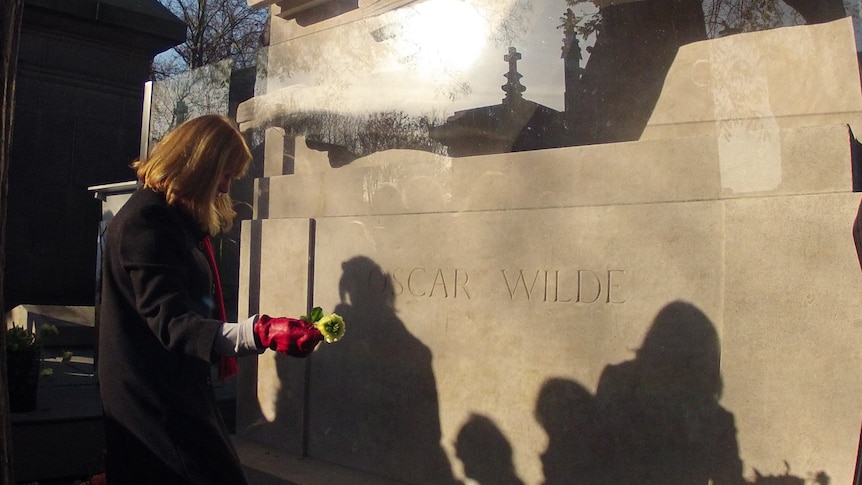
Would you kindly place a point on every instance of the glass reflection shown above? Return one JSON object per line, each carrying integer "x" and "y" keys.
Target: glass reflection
{"x": 464, "y": 78}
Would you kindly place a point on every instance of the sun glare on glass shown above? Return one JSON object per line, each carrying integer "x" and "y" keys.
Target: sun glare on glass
{"x": 443, "y": 35}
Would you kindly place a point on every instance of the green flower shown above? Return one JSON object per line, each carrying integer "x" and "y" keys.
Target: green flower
{"x": 332, "y": 327}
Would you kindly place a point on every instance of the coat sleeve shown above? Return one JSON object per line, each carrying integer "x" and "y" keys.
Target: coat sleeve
{"x": 156, "y": 255}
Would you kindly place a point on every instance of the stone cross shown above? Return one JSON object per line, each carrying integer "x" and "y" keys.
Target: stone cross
{"x": 512, "y": 58}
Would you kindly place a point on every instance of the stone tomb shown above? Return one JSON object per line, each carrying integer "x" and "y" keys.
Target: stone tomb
{"x": 512, "y": 315}
{"x": 473, "y": 311}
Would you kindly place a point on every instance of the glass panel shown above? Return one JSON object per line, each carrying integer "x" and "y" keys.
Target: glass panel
{"x": 467, "y": 78}
{"x": 189, "y": 94}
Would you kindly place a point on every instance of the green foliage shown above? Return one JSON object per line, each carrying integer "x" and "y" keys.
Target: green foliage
{"x": 316, "y": 315}
{"x": 19, "y": 338}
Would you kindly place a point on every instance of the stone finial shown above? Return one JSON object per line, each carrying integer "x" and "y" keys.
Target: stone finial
{"x": 513, "y": 88}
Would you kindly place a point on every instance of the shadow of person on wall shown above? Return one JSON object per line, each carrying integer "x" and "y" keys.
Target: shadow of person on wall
{"x": 660, "y": 411}
{"x": 486, "y": 453}
{"x": 576, "y": 449}
{"x": 373, "y": 400}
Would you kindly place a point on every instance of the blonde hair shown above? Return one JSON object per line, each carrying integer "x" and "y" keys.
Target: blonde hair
{"x": 188, "y": 164}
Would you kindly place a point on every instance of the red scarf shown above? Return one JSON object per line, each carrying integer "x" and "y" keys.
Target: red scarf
{"x": 227, "y": 365}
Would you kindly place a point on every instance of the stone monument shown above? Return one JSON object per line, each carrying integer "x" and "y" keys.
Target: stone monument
{"x": 679, "y": 308}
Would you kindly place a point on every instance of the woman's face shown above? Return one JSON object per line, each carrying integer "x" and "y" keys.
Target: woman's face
{"x": 224, "y": 183}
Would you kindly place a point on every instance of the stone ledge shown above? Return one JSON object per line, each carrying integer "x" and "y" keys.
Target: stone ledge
{"x": 75, "y": 323}
{"x": 266, "y": 465}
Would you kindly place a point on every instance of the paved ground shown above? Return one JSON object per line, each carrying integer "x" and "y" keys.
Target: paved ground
{"x": 63, "y": 436}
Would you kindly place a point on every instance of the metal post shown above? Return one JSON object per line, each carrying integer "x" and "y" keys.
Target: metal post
{"x": 145, "y": 119}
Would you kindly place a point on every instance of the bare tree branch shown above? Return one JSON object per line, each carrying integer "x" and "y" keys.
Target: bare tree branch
{"x": 725, "y": 17}
{"x": 217, "y": 30}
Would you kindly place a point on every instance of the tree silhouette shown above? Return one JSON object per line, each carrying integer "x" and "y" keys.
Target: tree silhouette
{"x": 217, "y": 30}
{"x": 723, "y": 17}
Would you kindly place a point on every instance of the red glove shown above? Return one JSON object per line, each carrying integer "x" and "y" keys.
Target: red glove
{"x": 286, "y": 335}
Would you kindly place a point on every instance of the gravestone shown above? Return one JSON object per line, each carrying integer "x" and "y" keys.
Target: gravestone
{"x": 675, "y": 309}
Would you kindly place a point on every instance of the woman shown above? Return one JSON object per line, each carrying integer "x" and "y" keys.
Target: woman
{"x": 162, "y": 321}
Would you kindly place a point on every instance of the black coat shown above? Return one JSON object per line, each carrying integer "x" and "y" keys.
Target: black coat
{"x": 155, "y": 351}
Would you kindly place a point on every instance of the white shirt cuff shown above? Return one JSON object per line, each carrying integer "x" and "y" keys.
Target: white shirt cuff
{"x": 237, "y": 339}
